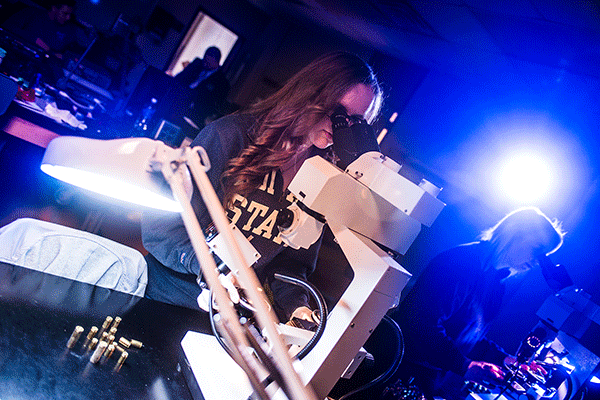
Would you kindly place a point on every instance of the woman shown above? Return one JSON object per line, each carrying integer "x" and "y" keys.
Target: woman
{"x": 445, "y": 317}
{"x": 254, "y": 155}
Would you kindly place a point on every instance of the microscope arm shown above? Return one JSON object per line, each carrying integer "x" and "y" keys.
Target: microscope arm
{"x": 368, "y": 203}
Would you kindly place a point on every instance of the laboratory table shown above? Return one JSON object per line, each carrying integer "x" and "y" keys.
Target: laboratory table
{"x": 38, "y": 313}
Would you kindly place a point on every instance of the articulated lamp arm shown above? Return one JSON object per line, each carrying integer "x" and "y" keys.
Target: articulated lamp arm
{"x": 196, "y": 160}
{"x": 128, "y": 169}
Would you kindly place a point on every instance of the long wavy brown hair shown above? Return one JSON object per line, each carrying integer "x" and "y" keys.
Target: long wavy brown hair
{"x": 284, "y": 119}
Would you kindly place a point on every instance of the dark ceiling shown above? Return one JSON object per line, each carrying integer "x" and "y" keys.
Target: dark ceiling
{"x": 452, "y": 34}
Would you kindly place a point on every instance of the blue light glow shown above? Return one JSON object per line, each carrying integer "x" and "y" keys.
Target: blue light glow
{"x": 526, "y": 177}
{"x": 521, "y": 159}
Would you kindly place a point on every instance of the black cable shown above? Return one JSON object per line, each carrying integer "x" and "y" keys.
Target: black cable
{"x": 583, "y": 392}
{"x": 217, "y": 336}
{"x": 392, "y": 369}
{"x": 569, "y": 383}
{"x": 322, "y": 306}
{"x": 322, "y": 317}
{"x": 319, "y": 332}
{"x": 504, "y": 390}
{"x": 213, "y": 326}
{"x": 323, "y": 313}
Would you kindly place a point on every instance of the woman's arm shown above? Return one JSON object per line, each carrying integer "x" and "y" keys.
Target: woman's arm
{"x": 164, "y": 234}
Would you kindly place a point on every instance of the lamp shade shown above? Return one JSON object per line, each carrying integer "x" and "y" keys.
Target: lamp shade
{"x": 117, "y": 168}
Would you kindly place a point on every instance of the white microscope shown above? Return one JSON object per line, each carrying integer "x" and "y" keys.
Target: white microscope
{"x": 368, "y": 206}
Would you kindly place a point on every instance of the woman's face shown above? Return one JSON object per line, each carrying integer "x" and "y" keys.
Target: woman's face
{"x": 357, "y": 101}
{"x": 522, "y": 255}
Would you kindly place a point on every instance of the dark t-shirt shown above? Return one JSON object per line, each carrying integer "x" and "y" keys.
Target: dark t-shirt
{"x": 165, "y": 237}
{"x": 209, "y": 93}
{"x": 445, "y": 317}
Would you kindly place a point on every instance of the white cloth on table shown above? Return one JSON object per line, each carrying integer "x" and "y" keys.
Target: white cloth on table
{"x": 73, "y": 254}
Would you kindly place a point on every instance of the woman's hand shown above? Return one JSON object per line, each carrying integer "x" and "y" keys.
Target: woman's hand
{"x": 302, "y": 317}
{"x": 481, "y": 371}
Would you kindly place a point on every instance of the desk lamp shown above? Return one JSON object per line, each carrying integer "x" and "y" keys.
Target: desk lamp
{"x": 149, "y": 173}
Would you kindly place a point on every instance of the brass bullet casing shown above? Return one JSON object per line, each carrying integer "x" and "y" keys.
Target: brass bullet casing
{"x": 116, "y": 322}
{"x": 93, "y": 343}
{"x": 98, "y": 352}
{"x": 136, "y": 343}
{"x": 122, "y": 359}
{"x": 75, "y": 336}
{"x": 104, "y": 336}
{"x": 113, "y": 331}
{"x": 109, "y": 350}
{"x": 111, "y": 338}
{"x": 92, "y": 332}
{"x": 107, "y": 323}
{"x": 124, "y": 342}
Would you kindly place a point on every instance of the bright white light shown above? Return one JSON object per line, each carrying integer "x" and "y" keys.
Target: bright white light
{"x": 381, "y": 135}
{"x": 525, "y": 178}
{"x": 595, "y": 379}
{"x": 492, "y": 161}
{"x": 111, "y": 187}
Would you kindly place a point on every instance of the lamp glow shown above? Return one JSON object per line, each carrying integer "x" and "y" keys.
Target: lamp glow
{"x": 111, "y": 187}
{"x": 115, "y": 168}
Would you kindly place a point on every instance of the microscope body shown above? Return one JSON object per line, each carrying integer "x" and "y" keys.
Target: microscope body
{"x": 366, "y": 205}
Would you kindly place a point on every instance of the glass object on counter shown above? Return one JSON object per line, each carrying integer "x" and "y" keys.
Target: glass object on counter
{"x": 144, "y": 122}
{"x": 39, "y": 87}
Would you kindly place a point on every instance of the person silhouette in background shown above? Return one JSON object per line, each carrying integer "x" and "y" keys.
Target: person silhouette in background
{"x": 208, "y": 84}
{"x": 445, "y": 317}
{"x": 52, "y": 30}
